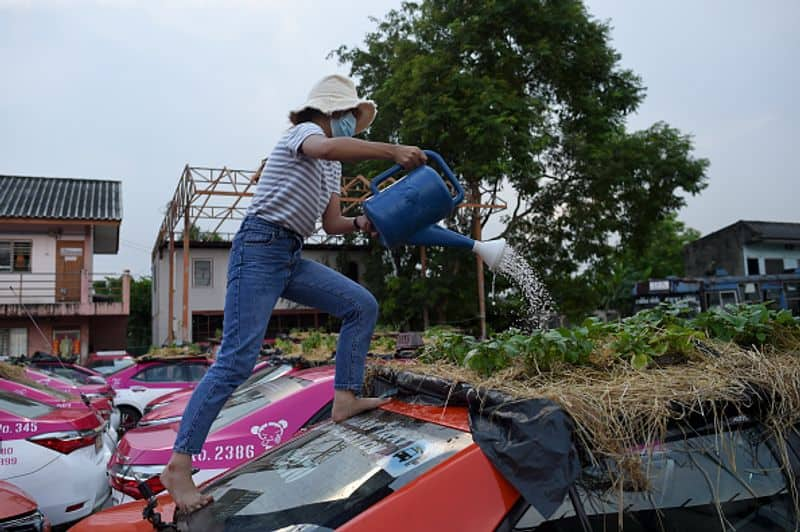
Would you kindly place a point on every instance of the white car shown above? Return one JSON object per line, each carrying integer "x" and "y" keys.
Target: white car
{"x": 57, "y": 455}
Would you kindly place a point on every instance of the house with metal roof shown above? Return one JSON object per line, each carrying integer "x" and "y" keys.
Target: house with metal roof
{"x": 745, "y": 248}
{"x": 51, "y": 297}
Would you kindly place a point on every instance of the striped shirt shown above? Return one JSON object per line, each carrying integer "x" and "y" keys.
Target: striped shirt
{"x": 293, "y": 189}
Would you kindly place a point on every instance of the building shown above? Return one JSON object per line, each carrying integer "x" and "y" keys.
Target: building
{"x": 51, "y": 298}
{"x": 208, "y": 272}
{"x": 746, "y": 262}
{"x": 189, "y": 275}
{"x": 745, "y": 248}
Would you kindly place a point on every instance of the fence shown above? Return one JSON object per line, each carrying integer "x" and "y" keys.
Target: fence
{"x": 36, "y": 288}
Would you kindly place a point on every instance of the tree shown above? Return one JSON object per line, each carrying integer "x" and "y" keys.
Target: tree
{"x": 662, "y": 256}
{"x": 528, "y": 93}
{"x": 140, "y": 320}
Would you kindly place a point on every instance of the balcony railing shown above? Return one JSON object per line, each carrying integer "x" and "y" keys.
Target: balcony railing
{"x": 84, "y": 292}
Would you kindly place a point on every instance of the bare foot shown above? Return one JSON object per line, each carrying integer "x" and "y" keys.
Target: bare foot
{"x": 177, "y": 478}
{"x": 346, "y": 404}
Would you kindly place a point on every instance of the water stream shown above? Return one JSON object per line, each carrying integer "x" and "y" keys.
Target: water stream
{"x": 539, "y": 304}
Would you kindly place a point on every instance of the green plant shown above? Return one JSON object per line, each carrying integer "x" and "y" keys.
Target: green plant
{"x": 286, "y": 346}
{"x": 745, "y": 325}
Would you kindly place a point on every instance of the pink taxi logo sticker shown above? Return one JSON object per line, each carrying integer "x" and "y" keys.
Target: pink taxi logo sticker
{"x": 270, "y": 433}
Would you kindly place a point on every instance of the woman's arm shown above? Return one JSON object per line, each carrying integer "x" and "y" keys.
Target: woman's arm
{"x": 335, "y": 224}
{"x": 352, "y": 150}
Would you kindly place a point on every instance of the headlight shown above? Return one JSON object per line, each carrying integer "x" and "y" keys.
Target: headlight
{"x": 33, "y": 521}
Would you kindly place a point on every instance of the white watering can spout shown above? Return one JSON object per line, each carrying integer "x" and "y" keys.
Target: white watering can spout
{"x": 491, "y": 252}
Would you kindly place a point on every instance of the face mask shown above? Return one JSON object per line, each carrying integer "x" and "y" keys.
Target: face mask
{"x": 344, "y": 126}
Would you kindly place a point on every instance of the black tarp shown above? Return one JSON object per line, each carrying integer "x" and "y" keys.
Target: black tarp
{"x": 529, "y": 441}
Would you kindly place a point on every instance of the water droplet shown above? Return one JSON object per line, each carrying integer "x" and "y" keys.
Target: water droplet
{"x": 539, "y": 303}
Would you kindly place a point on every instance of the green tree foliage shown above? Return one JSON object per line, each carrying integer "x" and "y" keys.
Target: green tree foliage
{"x": 613, "y": 278}
{"x": 140, "y": 321}
{"x": 528, "y": 94}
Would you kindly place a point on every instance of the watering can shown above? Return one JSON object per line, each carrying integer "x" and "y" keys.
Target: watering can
{"x": 407, "y": 211}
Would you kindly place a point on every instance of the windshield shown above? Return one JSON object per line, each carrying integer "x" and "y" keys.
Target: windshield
{"x": 22, "y": 406}
{"x": 107, "y": 367}
{"x": 265, "y": 374}
{"x": 246, "y": 400}
{"x": 66, "y": 372}
{"x": 332, "y": 473}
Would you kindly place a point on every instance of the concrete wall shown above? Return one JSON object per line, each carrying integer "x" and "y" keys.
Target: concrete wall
{"x": 718, "y": 250}
{"x": 212, "y": 299}
{"x": 761, "y": 251}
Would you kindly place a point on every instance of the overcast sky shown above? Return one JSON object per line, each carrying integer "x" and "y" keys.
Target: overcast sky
{"x": 133, "y": 91}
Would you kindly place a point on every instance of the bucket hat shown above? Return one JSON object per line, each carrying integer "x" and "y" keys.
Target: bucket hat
{"x": 338, "y": 93}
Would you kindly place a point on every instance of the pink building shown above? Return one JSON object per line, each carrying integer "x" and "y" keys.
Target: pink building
{"x": 51, "y": 298}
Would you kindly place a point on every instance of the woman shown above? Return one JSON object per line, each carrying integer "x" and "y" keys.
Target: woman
{"x": 299, "y": 182}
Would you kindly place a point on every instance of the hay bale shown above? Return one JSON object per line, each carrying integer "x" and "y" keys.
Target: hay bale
{"x": 618, "y": 409}
{"x": 17, "y": 374}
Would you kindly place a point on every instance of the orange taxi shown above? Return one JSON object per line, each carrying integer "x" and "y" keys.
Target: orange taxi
{"x": 410, "y": 467}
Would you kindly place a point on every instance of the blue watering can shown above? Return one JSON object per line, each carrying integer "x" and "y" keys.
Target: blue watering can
{"x": 407, "y": 211}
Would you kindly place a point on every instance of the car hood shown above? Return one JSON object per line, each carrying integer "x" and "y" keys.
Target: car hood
{"x": 14, "y": 501}
{"x": 126, "y": 517}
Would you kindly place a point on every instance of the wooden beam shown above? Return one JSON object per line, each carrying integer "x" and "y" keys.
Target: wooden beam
{"x": 186, "y": 239}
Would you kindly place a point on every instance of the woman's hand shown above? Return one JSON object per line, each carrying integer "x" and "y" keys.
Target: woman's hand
{"x": 366, "y": 226}
{"x": 409, "y": 156}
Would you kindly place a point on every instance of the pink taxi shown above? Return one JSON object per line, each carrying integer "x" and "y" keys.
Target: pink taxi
{"x": 150, "y": 378}
{"x": 50, "y": 396}
{"x": 254, "y": 419}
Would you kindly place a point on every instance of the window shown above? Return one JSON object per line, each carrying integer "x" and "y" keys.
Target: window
{"x": 773, "y": 266}
{"x": 728, "y": 297}
{"x": 752, "y": 266}
{"x": 13, "y": 342}
{"x": 191, "y": 372}
{"x": 161, "y": 373}
{"x": 22, "y": 406}
{"x": 15, "y": 256}
{"x": 202, "y": 273}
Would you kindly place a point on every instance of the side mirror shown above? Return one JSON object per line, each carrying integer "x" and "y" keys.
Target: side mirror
{"x": 96, "y": 379}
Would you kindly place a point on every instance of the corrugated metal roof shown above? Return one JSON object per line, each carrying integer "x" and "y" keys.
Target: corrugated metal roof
{"x": 775, "y": 230}
{"x": 60, "y": 198}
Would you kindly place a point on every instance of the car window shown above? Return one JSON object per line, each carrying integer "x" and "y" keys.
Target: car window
{"x": 332, "y": 473}
{"x": 22, "y": 406}
{"x": 107, "y": 367}
{"x": 264, "y": 375}
{"x": 748, "y": 486}
{"x": 194, "y": 371}
{"x": 323, "y": 414}
{"x": 58, "y": 378}
{"x": 160, "y": 373}
{"x": 247, "y": 400}
{"x": 67, "y": 372}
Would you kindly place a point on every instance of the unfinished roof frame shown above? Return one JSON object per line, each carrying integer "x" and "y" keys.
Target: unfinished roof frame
{"x": 215, "y": 195}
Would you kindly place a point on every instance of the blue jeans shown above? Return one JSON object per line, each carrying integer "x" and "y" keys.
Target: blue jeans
{"x": 265, "y": 264}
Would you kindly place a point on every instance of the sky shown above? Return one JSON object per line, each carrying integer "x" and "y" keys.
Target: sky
{"x": 134, "y": 91}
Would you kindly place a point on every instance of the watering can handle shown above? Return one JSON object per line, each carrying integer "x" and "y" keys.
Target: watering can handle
{"x": 436, "y": 157}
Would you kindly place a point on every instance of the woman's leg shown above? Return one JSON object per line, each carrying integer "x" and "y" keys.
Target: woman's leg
{"x": 257, "y": 273}
{"x": 318, "y": 286}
